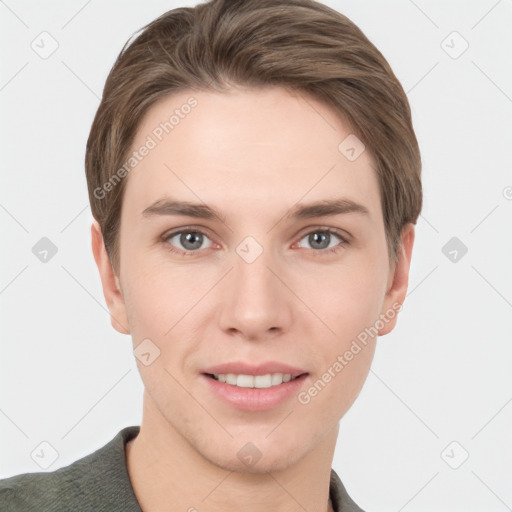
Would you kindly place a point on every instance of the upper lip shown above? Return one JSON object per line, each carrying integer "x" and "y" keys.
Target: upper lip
{"x": 243, "y": 368}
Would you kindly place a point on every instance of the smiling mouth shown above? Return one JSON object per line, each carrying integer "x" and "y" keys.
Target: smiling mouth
{"x": 254, "y": 381}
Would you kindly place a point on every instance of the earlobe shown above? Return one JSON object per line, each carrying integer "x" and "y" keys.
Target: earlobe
{"x": 109, "y": 281}
{"x": 397, "y": 291}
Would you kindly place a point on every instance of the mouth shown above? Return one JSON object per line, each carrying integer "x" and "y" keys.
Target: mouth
{"x": 268, "y": 380}
{"x": 254, "y": 387}
{"x": 255, "y": 393}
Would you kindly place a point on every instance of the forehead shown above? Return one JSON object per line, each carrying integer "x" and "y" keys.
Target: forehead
{"x": 259, "y": 148}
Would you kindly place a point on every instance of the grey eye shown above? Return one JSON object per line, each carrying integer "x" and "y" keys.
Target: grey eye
{"x": 189, "y": 240}
{"x": 322, "y": 239}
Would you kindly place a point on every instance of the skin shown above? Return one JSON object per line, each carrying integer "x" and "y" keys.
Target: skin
{"x": 252, "y": 154}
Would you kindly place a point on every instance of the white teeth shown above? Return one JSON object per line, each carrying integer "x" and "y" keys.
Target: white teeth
{"x": 254, "y": 381}
{"x": 277, "y": 378}
{"x": 263, "y": 381}
{"x": 245, "y": 381}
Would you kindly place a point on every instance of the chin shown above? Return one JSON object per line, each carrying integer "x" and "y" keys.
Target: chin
{"x": 258, "y": 457}
{"x": 267, "y": 464}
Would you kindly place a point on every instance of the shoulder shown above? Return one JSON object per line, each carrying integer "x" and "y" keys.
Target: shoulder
{"x": 341, "y": 500}
{"x": 96, "y": 482}
{"x": 34, "y": 491}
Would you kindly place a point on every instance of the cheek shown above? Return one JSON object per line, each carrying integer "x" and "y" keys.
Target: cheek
{"x": 167, "y": 304}
{"x": 338, "y": 387}
{"x": 152, "y": 302}
{"x": 345, "y": 361}
{"x": 350, "y": 306}
{"x": 348, "y": 299}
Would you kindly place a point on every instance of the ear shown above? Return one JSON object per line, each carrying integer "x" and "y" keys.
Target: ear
{"x": 398, "y": 281}
{"x": 109, "y": 281}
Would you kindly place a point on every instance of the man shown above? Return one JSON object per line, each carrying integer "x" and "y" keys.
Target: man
{"x": 255, "y": 180}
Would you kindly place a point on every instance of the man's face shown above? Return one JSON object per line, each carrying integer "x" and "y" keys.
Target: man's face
{"x": 259, "y": 285}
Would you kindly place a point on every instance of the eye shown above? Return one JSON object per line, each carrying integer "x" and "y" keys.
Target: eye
{"x": 187, "y": 241}
{"x": 325, "y": 240}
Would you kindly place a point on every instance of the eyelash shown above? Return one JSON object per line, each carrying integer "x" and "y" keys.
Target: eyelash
{"x": 333, "y": 250}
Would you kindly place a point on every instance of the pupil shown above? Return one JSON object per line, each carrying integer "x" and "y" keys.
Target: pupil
{"x": 323, "y": 239}
{"x": 191, "y": 240}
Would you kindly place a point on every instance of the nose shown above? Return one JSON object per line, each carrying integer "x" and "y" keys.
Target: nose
{"x": 256, "y": 304}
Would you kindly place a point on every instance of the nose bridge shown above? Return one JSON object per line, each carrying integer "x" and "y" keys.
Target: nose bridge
{"x": 254, "y": 283}
{"x": 256, "y": 299}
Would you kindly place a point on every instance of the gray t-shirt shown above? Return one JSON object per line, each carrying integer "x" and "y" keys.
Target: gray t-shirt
{"x": 99, "y": 482}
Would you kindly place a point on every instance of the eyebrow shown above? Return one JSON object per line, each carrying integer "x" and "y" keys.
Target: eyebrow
{"x": 327, "y": 207}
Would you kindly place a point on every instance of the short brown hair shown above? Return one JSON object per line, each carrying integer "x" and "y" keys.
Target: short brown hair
{"x": 301, "y": 45}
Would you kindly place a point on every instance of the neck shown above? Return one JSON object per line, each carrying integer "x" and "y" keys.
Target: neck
{"x": 164, "y": 469}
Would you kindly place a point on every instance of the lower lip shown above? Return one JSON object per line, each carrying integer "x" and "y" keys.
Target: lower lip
{"x": 255, "y": 399}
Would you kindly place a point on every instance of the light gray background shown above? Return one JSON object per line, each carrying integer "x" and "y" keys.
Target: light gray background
{"x": 68, "y": 379}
